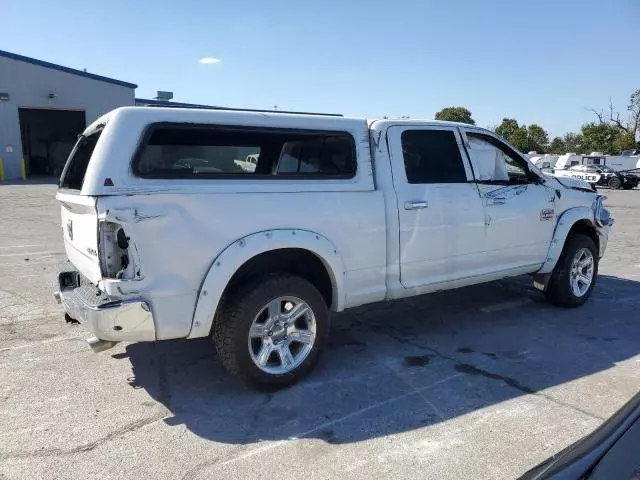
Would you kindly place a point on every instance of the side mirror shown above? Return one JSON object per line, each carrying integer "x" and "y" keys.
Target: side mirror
{"x": 534, "y": 177}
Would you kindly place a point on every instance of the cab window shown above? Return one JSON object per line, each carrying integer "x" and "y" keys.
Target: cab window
{"x": 495, "y": 162}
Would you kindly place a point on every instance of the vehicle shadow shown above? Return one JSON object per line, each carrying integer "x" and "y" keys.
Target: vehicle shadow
{"x": 394, "y": 367}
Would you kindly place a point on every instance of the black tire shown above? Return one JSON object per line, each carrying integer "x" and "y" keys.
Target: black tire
{"x": 236, "y": 314}
{"x": 614, "y": 182}
{"x": 559, "y": 290}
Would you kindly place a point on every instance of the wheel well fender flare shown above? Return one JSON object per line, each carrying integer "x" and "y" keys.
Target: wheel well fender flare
{"x": 565, "y": 223}
{"x": 236, "y": 254}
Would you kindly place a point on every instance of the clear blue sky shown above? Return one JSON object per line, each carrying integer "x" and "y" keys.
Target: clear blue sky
{"x": 538, "y": 61}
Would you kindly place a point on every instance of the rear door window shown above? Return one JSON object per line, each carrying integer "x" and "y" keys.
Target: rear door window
{"x": 76, "y": 167}
{"x": 217, "y": 152}
{"x": 432, "y": 156}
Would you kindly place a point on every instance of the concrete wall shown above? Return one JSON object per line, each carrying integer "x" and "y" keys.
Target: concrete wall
{"x": 29, "y": 85}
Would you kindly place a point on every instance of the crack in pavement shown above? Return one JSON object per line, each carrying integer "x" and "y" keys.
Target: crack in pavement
{"x": 87, "y": 447}
{"x": 272, "y": 445}
{"x": 197, "y": 469}
{"x": 469, "y": 369}
{"x": 509, "y": 381}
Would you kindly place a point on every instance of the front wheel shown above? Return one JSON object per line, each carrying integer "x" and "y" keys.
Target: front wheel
{"x": 575, "y": 274}
{"x": 614, "y": 183}
{"x": 271, "y": 332}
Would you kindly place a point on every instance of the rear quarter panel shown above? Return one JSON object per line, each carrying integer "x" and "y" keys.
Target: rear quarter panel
{"x": 178, "y": 237}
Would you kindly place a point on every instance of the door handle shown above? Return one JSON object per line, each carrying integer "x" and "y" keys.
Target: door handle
{"x": 496, "y": 201}
{"x": 415, "y": 204}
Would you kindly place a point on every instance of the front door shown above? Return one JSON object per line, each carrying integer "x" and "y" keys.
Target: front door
{"x": 441, "y": 215}
{"x": 520, "y": 209}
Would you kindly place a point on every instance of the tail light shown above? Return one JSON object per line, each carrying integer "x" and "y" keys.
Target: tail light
{"x": 115, "y": 259}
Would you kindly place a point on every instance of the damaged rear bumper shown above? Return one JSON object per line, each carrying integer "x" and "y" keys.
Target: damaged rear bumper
{"x": 109, "y": 319}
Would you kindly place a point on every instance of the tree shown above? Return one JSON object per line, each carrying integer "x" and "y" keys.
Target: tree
{"x": 538, "y": 138}
{"x": 573, "y": 142}
{"x": 455, "y": 114}
{"x": 508, "y": 128}
{"x": 600, "y": 137}
{"x": 514, "y": 134}
{"x": 524, "y": 138}
{"x": 557, "y": 145}
{"x": 625, "y": 141}
{"x": 612, "y": 123}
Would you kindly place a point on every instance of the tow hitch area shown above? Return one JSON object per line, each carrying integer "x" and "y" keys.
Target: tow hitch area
{"x": 98, "y": 345}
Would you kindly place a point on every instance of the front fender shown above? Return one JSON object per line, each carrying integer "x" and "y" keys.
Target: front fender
{"x": 565, "y": 222}
{"x": 239, "y": 252}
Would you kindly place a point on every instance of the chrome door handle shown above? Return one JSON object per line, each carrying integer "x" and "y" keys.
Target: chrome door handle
{"x": 415, "y": 205}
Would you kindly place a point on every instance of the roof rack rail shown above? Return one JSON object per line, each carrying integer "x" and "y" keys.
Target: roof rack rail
{"x": 159, "y": 103}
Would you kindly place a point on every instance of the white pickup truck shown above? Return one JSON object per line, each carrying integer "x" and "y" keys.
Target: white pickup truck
{"x": 338, "y": 212}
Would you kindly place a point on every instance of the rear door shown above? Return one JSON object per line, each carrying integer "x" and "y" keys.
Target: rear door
{"x": 441, "y": 215}
{"x": 78, "y": 212}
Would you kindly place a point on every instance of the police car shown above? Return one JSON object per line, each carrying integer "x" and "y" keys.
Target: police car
{"x": 603, "y": 175}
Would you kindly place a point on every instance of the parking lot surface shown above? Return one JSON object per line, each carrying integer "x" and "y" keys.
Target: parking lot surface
{"x": 480, "y": 382}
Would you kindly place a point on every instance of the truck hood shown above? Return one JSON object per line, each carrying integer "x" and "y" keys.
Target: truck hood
{"x": 571, "y": 182}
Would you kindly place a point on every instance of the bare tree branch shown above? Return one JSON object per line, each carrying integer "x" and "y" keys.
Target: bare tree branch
{"x": 599, "y": 114}
{"x": 634, "y": 108}
{"x": 615, "y": 120}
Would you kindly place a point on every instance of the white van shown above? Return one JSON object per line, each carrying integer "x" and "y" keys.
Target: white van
{"x": 545, "y": 162}
{"x": 617, "y": 163}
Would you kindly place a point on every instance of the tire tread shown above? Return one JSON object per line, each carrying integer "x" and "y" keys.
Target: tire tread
{"x": 237, "y": 308}
{"x": 558, "y": 291}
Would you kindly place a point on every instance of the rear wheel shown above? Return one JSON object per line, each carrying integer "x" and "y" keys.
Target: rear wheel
{"x": 270, "y": 333}
{"x": 575, "y": 274}
{"x": 614, "y": 182}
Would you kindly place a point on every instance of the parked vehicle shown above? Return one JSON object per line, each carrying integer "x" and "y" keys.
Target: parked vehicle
{"x": 339, "y": 212}
{"x": 630, "y": 153}
{"x": 545, "y": 162}
{"x": 249, "y": 163}
{"x": 609, "y": 452}
{"x": 603, "y": 175}
{"x": 617, "y": 163}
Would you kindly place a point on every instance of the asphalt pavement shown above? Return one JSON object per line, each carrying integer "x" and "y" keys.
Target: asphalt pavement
{"x": 480, "y": 382}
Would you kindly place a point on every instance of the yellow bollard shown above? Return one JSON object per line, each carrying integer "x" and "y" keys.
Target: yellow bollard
{"x": 23, "y": 169}
{"x": 1, "y": 169}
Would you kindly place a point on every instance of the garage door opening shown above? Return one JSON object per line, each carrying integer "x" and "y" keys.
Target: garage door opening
{"x": 48, "y": 137}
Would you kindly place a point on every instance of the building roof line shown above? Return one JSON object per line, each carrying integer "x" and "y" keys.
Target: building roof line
{"x": 60, "y": 68}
